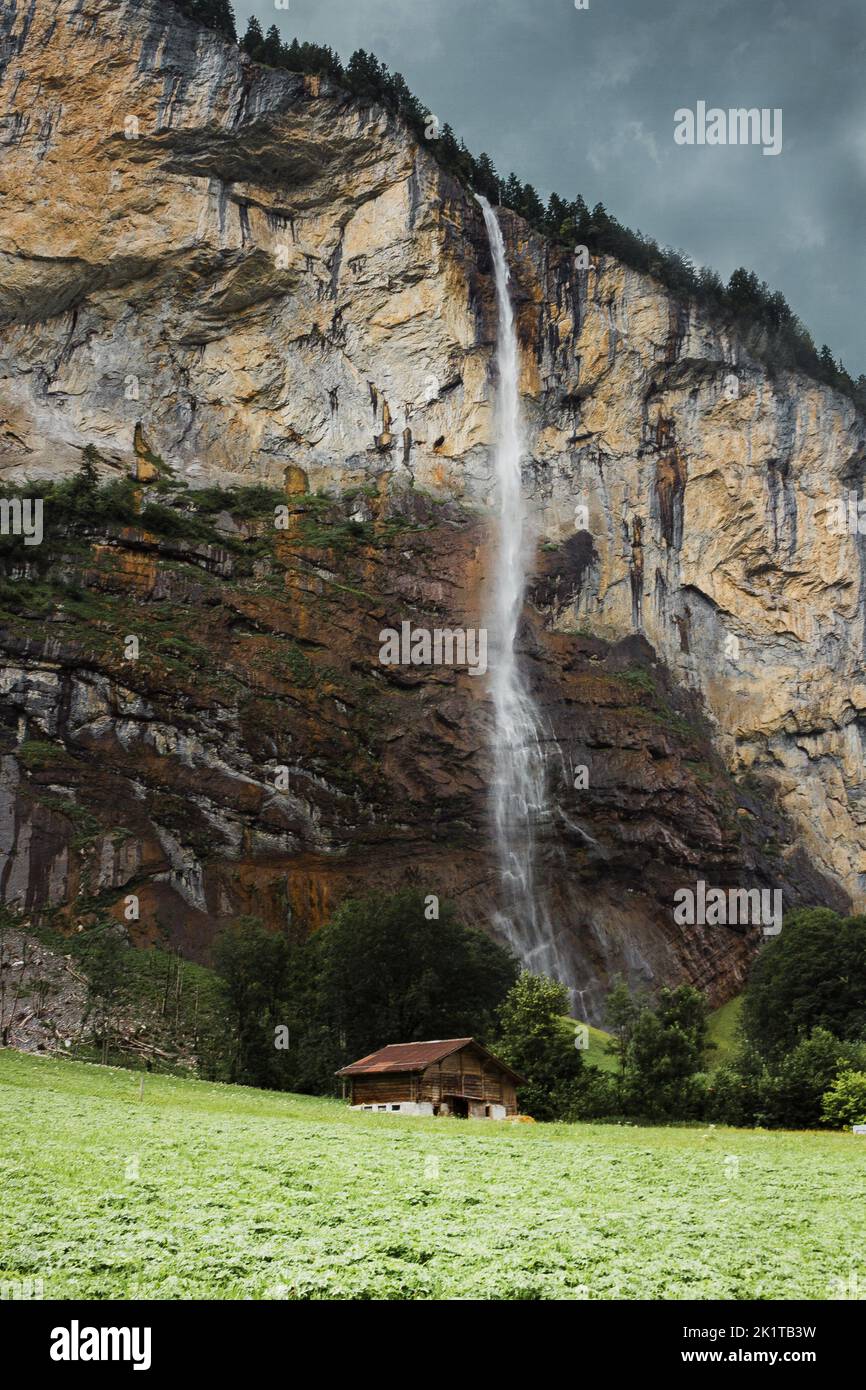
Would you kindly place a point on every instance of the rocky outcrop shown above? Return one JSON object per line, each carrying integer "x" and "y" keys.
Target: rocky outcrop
{"x": 216, "y": 273}
{"x": 255, "y": 757}
{"x": 43, "y": 999}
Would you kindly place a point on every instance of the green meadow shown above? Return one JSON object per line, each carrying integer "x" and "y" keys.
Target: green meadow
{"x": 193, "y": 1190}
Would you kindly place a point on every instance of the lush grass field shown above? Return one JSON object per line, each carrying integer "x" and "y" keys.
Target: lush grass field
{"x": 199, "y": 1190}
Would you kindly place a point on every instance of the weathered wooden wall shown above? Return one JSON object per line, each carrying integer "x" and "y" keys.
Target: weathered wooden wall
{"x": 468, "y": 1073}
{"x": 383, "y": 1090}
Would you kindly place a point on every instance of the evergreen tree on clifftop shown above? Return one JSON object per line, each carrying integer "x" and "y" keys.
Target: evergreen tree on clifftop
{"x": 214, "y": 14}
{"x": 253, "y": 40}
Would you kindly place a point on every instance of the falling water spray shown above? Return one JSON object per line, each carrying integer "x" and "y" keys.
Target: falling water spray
{"x": 519, "y": 792}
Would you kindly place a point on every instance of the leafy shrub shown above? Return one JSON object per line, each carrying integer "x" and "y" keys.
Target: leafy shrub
{"x": 173, "y": 523}
{"x": 788, "y": 1092}
{"x": 244, "y": 502}
{"x": 793, "y": 1094}
{"x": 844, "y": 1104}
{"x": 736, "y": 1091}
{"x": 591, "y": 1095}
{"x": 537, "y": 1039}
{"x": 812, "y": 975}
{"x": 660, "y": 1046}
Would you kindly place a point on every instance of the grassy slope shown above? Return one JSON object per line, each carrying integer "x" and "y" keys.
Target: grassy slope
{"x": 597, "y": 1054}
{"x": 723, "y": 1025}
{"x": 202, "y": 1190}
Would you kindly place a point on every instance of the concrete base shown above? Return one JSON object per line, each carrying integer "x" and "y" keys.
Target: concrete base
{"x": 478, "y": 1110}
{"x": 403, "y": 1107}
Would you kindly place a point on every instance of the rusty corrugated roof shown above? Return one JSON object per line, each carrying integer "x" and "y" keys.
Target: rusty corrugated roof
{"x": 415, "y": 1056}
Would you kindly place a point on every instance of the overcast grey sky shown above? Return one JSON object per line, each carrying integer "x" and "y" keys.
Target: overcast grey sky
{"x": 584, "y": 100}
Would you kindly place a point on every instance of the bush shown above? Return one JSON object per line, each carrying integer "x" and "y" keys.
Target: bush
{"x": 592, "y": 1095}
{"x": 536, "y": 1038}
{"x": 787, "y": 1093}
{"x": 660, "y": 1047}
{"x": 736, "y": 1091}
{"x": 845, "y": 1102}
{"x": 77, "y": 508}
{"x": 244, "y": 502}
{"x": 813, "y": 975}
{"x": 793, "y": 1094}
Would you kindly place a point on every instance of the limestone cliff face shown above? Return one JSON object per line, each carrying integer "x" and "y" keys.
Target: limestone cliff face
{"x": 237, "y": 275}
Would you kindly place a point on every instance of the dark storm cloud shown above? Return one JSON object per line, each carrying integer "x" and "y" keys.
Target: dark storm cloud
{"x": 584, "y": 100}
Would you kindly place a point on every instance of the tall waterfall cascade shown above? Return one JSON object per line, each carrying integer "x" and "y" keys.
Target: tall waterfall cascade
{"x": 520, "y": 802}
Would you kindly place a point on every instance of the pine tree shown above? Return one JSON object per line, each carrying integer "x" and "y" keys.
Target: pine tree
{"x": 223, "y": 18}
{"x": 486, "y": 178}
{"x": 215, "y": 14}
{"x": 710, "y": 285}
{"x": 333, "y": 66}
{"x": 531, "y": 206}
{"x": 253, "y": 39}
{"x": 512, "y": 192}
{"x": 401, "y": 100}
{"x": 291, "y": 57}
{"x": 743, "y": 292}
{"x": 555, "y": 215}
{"x": 448, "y": 146}
{"x": 828, "y": 364}
{"x": 272, "y": 47}
{"x": 579, "y": 213}
{"x": 364, "y": 74}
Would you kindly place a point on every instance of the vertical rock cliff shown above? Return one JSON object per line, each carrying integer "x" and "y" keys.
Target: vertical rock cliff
{"x": 214, "y": 275}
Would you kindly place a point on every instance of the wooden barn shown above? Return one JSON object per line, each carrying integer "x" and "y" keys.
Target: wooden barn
{"x": 454, "y": 1076}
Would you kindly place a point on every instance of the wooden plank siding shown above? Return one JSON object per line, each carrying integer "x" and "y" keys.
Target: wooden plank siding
{"x": 467, "y": 1073}
{"x": 382, "y": 1090}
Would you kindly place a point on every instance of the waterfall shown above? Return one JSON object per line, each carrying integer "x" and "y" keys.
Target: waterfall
{"x": 519, "y": 791}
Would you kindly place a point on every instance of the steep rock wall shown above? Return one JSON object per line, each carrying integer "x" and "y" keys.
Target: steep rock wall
{"x": 249, "y": 276}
